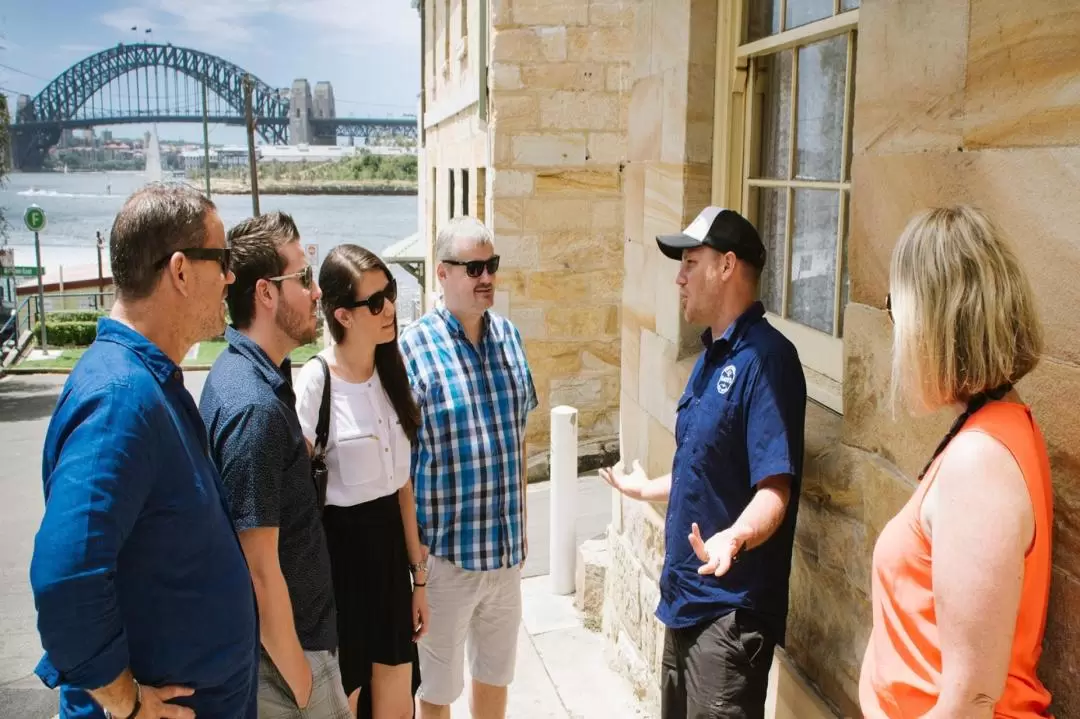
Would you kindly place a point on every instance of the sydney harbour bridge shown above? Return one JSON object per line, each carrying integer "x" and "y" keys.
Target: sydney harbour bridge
{"x": 151, "y": 83}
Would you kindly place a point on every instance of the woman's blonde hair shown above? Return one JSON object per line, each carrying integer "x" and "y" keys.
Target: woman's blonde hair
{"x": 964, "y": 317}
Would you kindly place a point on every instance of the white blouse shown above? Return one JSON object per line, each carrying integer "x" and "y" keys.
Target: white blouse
{"x": 367, "y": 452}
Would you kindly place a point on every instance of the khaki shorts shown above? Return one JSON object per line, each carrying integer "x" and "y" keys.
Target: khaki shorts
{"x": 328, "y": 701}
{"x": 478, "y": 611}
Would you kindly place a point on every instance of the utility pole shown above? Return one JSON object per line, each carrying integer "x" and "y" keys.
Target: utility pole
{"x": 252, "y": 165}
{"x": 206, "y": 138}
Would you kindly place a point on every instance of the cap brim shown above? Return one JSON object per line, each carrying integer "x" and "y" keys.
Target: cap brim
{"x": 673, "y": 245}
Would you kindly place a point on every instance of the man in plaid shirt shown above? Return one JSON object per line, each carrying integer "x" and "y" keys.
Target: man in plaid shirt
{"x": 472, "y": 382}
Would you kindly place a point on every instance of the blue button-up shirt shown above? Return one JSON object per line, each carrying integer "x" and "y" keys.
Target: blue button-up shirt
{"x": 740, "y": 421}
{"x": 136, "y": 564}
{"x": 467, "y": 463}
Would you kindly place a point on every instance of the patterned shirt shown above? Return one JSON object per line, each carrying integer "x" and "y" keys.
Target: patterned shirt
{"x": 467, "y": 463}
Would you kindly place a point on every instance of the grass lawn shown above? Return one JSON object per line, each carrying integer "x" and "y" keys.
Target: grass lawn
{"x": 206, "y": 354}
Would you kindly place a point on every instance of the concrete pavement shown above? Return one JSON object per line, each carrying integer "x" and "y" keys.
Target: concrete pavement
{"x": 561, "y": 670}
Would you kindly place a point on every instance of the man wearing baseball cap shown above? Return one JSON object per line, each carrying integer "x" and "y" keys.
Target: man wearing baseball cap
{"x": 734, "y": 486}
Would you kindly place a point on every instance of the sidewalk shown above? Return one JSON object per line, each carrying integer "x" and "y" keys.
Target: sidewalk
{"x": 561, "y": 669}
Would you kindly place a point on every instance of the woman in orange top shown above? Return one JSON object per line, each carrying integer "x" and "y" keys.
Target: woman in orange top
{"x": 961, "y": 576}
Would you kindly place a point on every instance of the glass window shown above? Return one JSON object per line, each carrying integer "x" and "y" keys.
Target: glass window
{"x": 820, "y": 115}
{"x": 804, "y": 12}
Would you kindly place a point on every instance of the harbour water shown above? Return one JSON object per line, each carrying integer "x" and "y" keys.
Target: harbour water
{"x": 80, "y": 204}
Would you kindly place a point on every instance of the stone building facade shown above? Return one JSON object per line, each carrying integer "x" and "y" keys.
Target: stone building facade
{"x": 525, "y": 122}
{"x": 829, "y": 123}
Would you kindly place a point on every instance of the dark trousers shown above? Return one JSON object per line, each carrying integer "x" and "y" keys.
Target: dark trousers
{"x": 717, "y": 670}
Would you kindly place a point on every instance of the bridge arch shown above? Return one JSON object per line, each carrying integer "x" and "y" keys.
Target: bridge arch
{"x": 70, "y": 91}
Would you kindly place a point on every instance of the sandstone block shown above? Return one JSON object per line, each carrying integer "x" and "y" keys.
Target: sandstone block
{"x": 658, "y": 463}
{"x": 670, "y": 35}
{"x": 574, "y": 323}
{"x": 646, "y": 120}
{"x": 641, "y": 63}
{"x": 634, "y": 203}
{"x": 910, "y": 90}
{"x": 529, "y": 322}
{"x": 551, "y": 12}
{"x": 513, "y": 183}
{"x": 545, "y": 150}
{"x": 501, "y": 13}
{"x": 607, "y": 214}
{"x": 515, "y": 112}
{"x": 590, "y": 576}
{"x": 529, "y": 45}
{"x": 1023, "y": 74}
{"x": 577, "y": 391}
{"x": 657, "y": 355}
{"x": 1060, "y": 666}
{"x": 633, "y": 438}
{"x": 631, "y": 352}
{"x": 618, "y": 78}
{"x": 509, "y": 215}
{"x": 674, "y": 110}
{"x": 505, "y": 76}
{"x": 571, "y": 110}
{"x": 578, "y": 250}
{"x": 576, "y": 76}
{"x": 617, "y": 13}
{"x": 518, "y": 252}
{"x": 552, "y": 213}
{"x": 603, "y": 44}
{"x": 577, "y": 182}
{"x": 1039, "y": 200}
{"x": 595, "y": 286}
{"x": 624, "y": 588}
{"x": 606, "y": 148}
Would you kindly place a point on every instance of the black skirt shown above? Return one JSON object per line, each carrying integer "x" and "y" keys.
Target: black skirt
{"x": 372, "y": 590}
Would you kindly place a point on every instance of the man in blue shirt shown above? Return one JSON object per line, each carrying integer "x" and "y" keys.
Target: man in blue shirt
{"x": 145, "y": 605}
{"x": 733, "y": 490}
{"x": 256, "y": 441}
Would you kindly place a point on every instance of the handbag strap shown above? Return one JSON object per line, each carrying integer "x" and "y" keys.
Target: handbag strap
{"x": 322, "y": 429}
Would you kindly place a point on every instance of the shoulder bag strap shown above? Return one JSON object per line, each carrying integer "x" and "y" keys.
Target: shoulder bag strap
{"x": 322, "y": 429}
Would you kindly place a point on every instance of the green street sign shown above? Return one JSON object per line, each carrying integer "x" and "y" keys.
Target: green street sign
{"x": 21, "y": 271}
{"x": 34, "y": 217}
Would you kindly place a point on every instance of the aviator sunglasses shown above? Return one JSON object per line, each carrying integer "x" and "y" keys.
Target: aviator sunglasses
{"x": 377, "y": 300}
{"x": 306, "y": 276}
{"x": 475, "y": 268}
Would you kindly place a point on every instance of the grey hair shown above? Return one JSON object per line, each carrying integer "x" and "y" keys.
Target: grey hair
{"x": 461, "y": 228}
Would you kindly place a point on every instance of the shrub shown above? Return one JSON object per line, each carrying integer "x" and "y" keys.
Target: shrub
{"x": 68, "y": 334}
{"x": 74, "y": 316}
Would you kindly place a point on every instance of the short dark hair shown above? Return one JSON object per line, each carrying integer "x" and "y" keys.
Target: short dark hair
{"x": 256, "y": 243}
{"x": 338, "y": 280}
{"x": 156, "y": 221}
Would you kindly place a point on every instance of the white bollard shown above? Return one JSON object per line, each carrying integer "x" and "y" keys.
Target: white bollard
{"x": 564, "y": 510}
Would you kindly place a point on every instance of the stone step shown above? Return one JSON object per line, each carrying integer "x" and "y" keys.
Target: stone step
{"x": 591, "y": 572}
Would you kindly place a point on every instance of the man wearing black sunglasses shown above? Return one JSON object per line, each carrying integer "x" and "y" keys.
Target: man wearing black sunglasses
{"x": 249, "y": 409}
{"x": 475, "y": 391}
{"x": 145, "y": 604}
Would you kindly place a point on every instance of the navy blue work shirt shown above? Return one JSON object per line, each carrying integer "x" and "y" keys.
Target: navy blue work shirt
{"x": 249, "y": 410}
{"x": 136, "y": 564}
{"x": 740, "y": 421}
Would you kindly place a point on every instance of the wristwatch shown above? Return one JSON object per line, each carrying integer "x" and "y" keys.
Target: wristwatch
{"x": 417, "y": 568}
{"x": 135, "y": 709}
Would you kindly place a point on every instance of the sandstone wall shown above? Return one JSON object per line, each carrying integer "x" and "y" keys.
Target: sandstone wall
{"x": 559, "y": 107}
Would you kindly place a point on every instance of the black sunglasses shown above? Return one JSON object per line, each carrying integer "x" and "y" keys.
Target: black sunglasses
{"x": 306, "y": 276}
{"x": 888, "y": 305}
{"x": 222, "y": 255}
{"x": 377, "y": 300}
{"x": 475, "y": 268}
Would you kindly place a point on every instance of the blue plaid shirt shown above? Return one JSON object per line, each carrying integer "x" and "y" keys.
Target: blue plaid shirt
{"x": 467, "y": 463}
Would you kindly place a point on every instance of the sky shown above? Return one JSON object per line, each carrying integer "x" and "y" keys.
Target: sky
{"x": 369, "y": 50}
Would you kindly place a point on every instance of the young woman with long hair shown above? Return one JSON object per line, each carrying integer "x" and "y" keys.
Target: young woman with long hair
{"x": 370, "y": 513}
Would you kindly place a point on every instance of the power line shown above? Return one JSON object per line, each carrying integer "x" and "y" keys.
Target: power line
{"x": 12, "y": 92}
{"x": 23, "y": 72}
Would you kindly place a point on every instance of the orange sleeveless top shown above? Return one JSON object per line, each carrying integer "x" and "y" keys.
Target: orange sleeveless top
{"x": 902, "y": 668}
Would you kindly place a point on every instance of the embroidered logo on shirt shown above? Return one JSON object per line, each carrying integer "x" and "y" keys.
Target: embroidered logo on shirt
{"x": 727, "y": 378}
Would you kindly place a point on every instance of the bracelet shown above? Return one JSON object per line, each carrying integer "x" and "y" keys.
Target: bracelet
{"x": 419, "y": 584}
{"x": 138, "y": 703}
{"x": 417, "y": 568}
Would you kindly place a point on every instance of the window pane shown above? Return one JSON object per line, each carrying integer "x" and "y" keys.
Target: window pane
{"x": 845, "y": 279}
{"x": 776, "y": 115}
{"x": 819, "y": 134}
{"x": 813, "y": 258}
{"x": 764, "y": 19}
{"x": 772, "y": 220}
{"x": 801, "y": 12}
{"x": 849, "y": 4}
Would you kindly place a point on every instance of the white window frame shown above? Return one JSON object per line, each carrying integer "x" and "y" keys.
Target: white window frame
{"x": 735, "y": 149}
